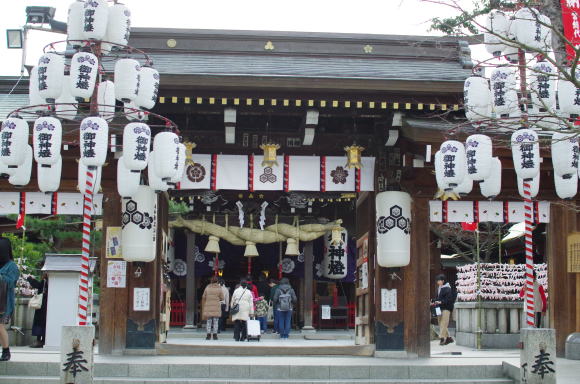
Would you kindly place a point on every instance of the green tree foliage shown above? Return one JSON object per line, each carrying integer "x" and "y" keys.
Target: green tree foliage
{"x": 464, "y": 23}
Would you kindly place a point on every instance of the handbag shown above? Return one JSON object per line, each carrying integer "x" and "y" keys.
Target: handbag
{"x": 36, "y": 301}
{"x": 236, "y": 307}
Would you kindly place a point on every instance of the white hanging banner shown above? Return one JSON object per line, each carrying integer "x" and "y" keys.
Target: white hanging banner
{"x": 436, "y": 211}
{"x": 336, "y": 176}
{"x": 198, "y": 175}
{"x": 543, "y": 211}
{"x": 490, "y": 211}
{"x": 231, "y": 172}
{"x": 367, "y": 175}
{"x": 460, "y": 211}
{"x": 303, "y": 173}
{"x": 38, "y": 203}
{"x": 9, "y": 203}
{"x": 266, "y": 178}
{"x": 72, "y": 204}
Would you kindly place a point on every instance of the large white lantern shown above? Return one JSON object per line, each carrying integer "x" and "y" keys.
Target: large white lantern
{"x": 568, "y": 97}
{"x": 167, "y": 145}
{"x": 94, "y": 137}
{"x": 148, "y": 88}
{"x": 106, "y": 100}
{"x": 33, "y": 95}
{"x": 136, "y": 146}
{"x": 335, "y": 259}
{"x": 543, "y": 86}
{"x": 82, "y": 178}
{"x": 477, "y": 98}
{"x": 504, "y": 92}
{"x": 21, "y": 175}
{"x": 565, "y": 154}
{"x": 155, "y": 182}
{"x": 491, "y": 186}
{"x": 452, "y": 163}
{"x": 393, "y": 228}
{"x": 49, "y": 176}
{"x": 95, "y": 18}
{"x": 127, "y": 78}
{"x": 14, "y": 137}
{"x": 534, "y": 186}
{"x": 127, "y": 180}
{"x": 439, "y": 171}
{"x": 180, "y": 165}
{"x": 526, "y": 153}
{"x": 497, "y": 26}
{"x": 84, "y": 69}
{"x": 139, "y": 226}
{"x": 50, "y": 76}
{"x": 66, "y": 104}
{"x": 119, "y": 25}
{"x": 134, "y": 113}
{"x": 74, "y": 24}
{"x": 531, "y": 30}
{"x": 566, "y": 187}
{"x": 47, "y": 140}
{"x": 465, "y": 187}
{"x": 478, "y": 154}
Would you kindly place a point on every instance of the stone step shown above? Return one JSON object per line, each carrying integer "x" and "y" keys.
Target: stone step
{"x": 261, "y": 349}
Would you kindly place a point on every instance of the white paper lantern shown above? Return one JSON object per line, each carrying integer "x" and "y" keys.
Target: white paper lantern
{"x": 94, "y": 138}
{"x": 66, "y": 104}
{"x": 566, "y": 188}
{"x": 127, "y": 79}
{"x": 50, "y": 76}
{"x": 21, "y": 175}
{"x": 4, "y": 170}
{"x": 491, "y": 186}
{"x": 47, "y": 140}
{"x": 543, "y": 86}
{"x": 148, "y": 88}
{"x": 82, "y": 178}
{"x": 534, "y": 186}
{"x": 136, "y": 146}
{"x": 530, "y": 31}
{"x": 33, "y": 95}
{"x": 14, "y": 136}
{"x": 119, "y": 25}
{"x": 127, "y": 180}
{"x": 478, "y": 154}
{"x": 155, "y": 182}
{"x": 565, "y": 154}
{"x": 393, "y": 228}
{"x": 526, "y": 153}
{"x": 511, "y": 53}
{"x": 335, "y": 258}
{"x": 552, "y": 120}
{"x": 465, "y": 187}
{"x": 84, "y": 69}
{"x": 49, "y": 176}
{"x": 452, "y": 163}
{"x": 180, "y": 165}
{"x": 477, "y": 98}
{"x": 75, "y": 23}
{"x": 438, "y": 161}
{"x": 106, "y": 100}
{"x": 568, "y": 97}
{"x": 95, "y": 18}
{"x": 166, "y": 143}
{"x": 139, "y": 226}
{"x": 134, "y": 113}
{"x": 497, "y": 24}
{"x": 504, "y": 91}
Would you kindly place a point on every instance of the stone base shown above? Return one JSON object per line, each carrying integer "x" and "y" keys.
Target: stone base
{"x": 489, "y": 340}
{"x": 538, "y": 356}
{"x": 396, "y": 355}
{"x": 190, "y": 327}
{"x": 573, "y": 346}
{"x": 308, "y": 329}
{"x": 76, "y": 354}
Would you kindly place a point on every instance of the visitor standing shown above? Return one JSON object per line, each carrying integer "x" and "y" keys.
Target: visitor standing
{"x": 273, "y": 288}
{"x": 445, "y": 301}
{"x": 262, "y": 313}
{"x": 284, "y": 300}
{"x": 225, "y": 305}
{"x": 211, "y": 308}
{"x": 8, "y": 277}
{"x": 39, "y": 322}
{"x": 241, "y": 308}
{"x": 540, "y": 302}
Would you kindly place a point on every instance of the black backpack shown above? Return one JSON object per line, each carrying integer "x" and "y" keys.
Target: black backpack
{"x": 285, "y": 300}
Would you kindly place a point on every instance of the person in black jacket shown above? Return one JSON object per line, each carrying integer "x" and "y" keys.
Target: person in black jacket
{"x": 39, "y": 322}
{"x": 445, "y": 301}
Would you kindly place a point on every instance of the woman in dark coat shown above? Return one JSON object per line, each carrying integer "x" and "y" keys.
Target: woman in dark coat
{"x": 39, "y": 322}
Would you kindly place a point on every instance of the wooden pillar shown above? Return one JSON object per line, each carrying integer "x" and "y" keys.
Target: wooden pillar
{"x": 190, "y": 294}
{"x": 308, "y": 282}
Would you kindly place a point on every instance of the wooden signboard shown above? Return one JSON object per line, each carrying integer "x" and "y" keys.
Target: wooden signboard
{"x": 573, "y": 252}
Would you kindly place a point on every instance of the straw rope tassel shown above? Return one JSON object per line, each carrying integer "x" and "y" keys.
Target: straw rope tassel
{"x": 528, "y": 206}
{"x": 86, "y": 248}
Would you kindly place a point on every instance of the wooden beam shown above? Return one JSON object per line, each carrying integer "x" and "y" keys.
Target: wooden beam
{"x": 308, "y": 289}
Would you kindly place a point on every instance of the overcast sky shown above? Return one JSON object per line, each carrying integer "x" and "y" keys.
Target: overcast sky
{"x": 404, "y": 17}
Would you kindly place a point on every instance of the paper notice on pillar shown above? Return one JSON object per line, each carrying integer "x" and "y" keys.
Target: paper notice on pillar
{"x": 141, "y": 299}
{"x": 116, "y": 274}
{"x": 436, "y": 211}
{"x": 491, "y": 211}
{"x": 515, "y": 212}
{"x": 367, "y": 174}
{"x": 337, "y": 177}
{"x": 388, "y": 300}
{"x": 325, "y": 312}
{"x": 69, "y": 203}
{"x": 267, "y": 178}
{"x": 232, "y": 172}
{"x": 304, "y": 173}
{"x": 543, "y": 213}
{"x": 198, "y": 174}
{"x": 9, "y": 203}
{"x": 460, "y": 211}
{"x": 38, "y": 203}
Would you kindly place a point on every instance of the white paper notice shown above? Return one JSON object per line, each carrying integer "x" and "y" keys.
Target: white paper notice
{"x": 364, "y": 275}
{"x": 116, "y": 274}
{"x": 389, "y": 300}
{"x": 325, "y": 312}
{"x": 141, "y": 298}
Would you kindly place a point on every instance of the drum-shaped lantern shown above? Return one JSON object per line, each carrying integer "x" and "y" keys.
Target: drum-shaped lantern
{"x": 50, "y": 76}
{"x": 180, "y": 165}
{"x": 491, "y": 186}
{"x": 335, "y": 257}
{"x": 21, "y": 174}
{"x": 66, "y": 104}
{"x": 155, "y": 182}
{"x": 393, "y": 228}
{"x": 497, "y": 24}
{"x": 565, "y": 154}
{"x": 477, "y": 98}
{"x": 94, "y": 18}
{"x": 534, "y": 186}
{"x": 127, "y": 79}
{"x": 504, "y": 92}
{"x": 136, "y": 146}
{"x": 94, "y": 137}
{"x": 139, "y": 226}
{"x": 543, "y": 86}
{"x": 74, "y": 24}
{"x": 148, "y": 88}
{"x": 526, "y": 153}
{"x": 532, "y": 29}
{"x": 167, "y": 145}
{"x": 13, "y": 138}
{"x": 568, "y": 97}
{"x": 82, "y": 178}
{"x": 127, "y": 180}
{"x": 84, "y": 69}
{"x": 566, "y": 187}
{"x": 439, "y": 171}
{"x": 47, "y": 140}
{"x": 119, "y": 25}
{"x": 106, "y": 100}
{"x": 452, "y": 163}
{"x": 49, "y": 176}
{"x": 478, "y": 155}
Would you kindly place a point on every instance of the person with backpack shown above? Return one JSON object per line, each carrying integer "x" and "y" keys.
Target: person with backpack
{"x": 284, "y": 300}
{"x": 273, "y": 288}
{"x": 445, "y": 301}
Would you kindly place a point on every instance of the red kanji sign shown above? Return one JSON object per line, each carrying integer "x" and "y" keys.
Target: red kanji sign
{"x": 571, "y": 21}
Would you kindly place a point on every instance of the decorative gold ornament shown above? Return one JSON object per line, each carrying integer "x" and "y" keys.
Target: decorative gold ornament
{"x": 189, "y": 146}
{"x": 368, "y": 48}
{"x": 269, "y": 154}
{"x": 269, "y": 46}
{"x": 171, "y": 43}
{"x": 336, "y": 234}
{"x": 353, "y": 154}
{"x": 446, "y": 195}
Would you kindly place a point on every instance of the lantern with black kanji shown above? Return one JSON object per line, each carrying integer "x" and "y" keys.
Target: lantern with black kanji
{"x": 84, "y": 69}
{"x": 50, "y": 76}
{"x": 543, "y": 86}
{"x": 136, "y": 146}
{"x": 94, "y": 18}
{"x": 47, "y": 140}
{"x": 75, "y": 22}
{"x": 532, "y": 29}
{"x": 127, "y": 79}
{"x": 534, "y": 186}
{"x": 335, "y": 259}
{"x": 452, "y": 164}
{"x": 66, "y": 104}
{"x": 497, "y": 29}
{"x": 127, "y": 180}
{"x": 491, "y": 186}
{"x": 565, "y": 154}
{"x": 504, "y": 92}
{"x": 568, "y": 97}
{"x": 148, "y": 88}
{"x": 526, "y": 153}
{"x": 155, "y": 181}
{"x": 393, "y": 226}
{"x": 13, "y": 138}
{"x": 33, "y": 95}
{"x": 106, "y": 100}
{"x": 49, "y": 178}
{"x": 166, "y": 165}
{"x": 478, "y": 155}
{"x": 566, "y": 187}
{"x": 139, "y": 226}
{"x": 180, "y": 165}
{"x": 21, "y": 174}
{"x": 477, "y": 98}
{"x": 82, "y": 178}
{"x": 118, "y": 25}
{"x": 464, "y": 188}
{"x": 94, "y": 138}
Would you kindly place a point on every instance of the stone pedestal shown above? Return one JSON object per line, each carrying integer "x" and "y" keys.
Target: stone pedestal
{"x": 76, "y": 355}
{"x": 538, "y": 356}
{"x": 573, "y": 346}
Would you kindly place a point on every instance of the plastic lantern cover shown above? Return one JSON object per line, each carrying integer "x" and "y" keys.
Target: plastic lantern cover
{"x": 118, "y": 25}
{"x": 530, "y": 31}
{"x": 566, "y": 188}
{"x": 334, "y": 262}
{"x": 50, "y": 76}
{"x": 452, "y": 163}
{"x": 21, "y": 175}
{"x": 568, "y": 97}
{"x": 94, "y": 19}
{"x": 47, "y": 140}
{"x": 49, "y": 176}
{"x": 477, "y": 98}
{"x": 166, "y": 143}
{"x": 139, "y": 226}
{"x": 84, "y": 69}
{"x": 127, "y": 78}
{"x": 82, "y": 178}
{"x": 180, "y": 165}
{"x": 13, "y": 137}
{"x": 74, "y": 22}
{"x": 478, "y": 154}
{"x": 106, "y": 100}
{"x": 148, "y": 88}
{"x": 534, "y": 186}
{"x": 393, "y": 227}
{"x": 526, "y": 153}
{"x": 127, "y": 181}
{"x": 66, "y": 104}
{"x": 565, "y": 154}
{"x": 134, "y": 113}
{"x": 503, "y": 87}
{"x": 33, "y": 95}
{"x": 136, "y": 146}
{"x": 491, "y": 186}
{"x": 543, "y": 86}
{"x": 497, "y": 23}
{"x": 155, "y": 182}
{"x": 94, "y": 138}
